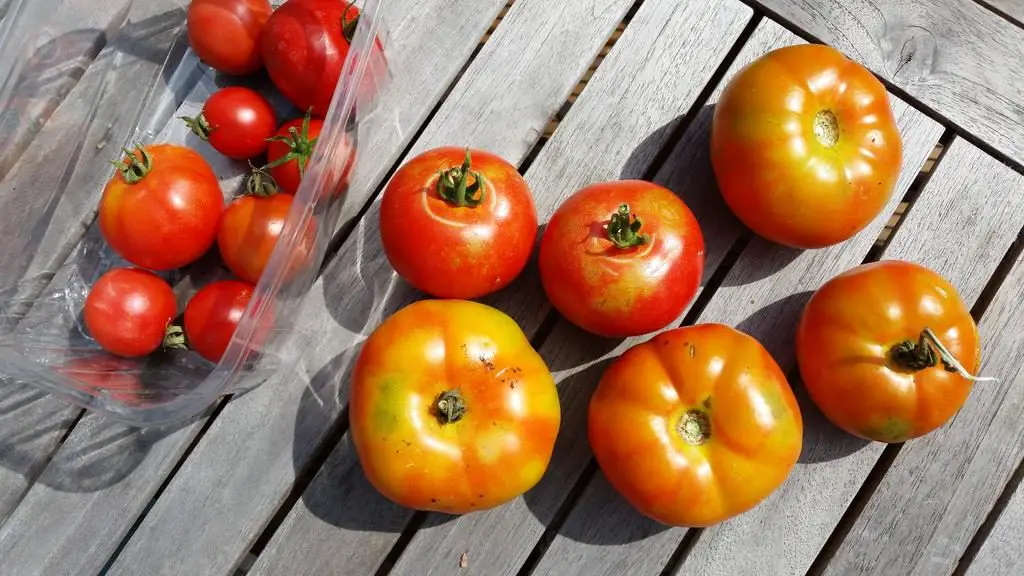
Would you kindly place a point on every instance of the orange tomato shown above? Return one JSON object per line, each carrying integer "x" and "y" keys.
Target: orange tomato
{"x": 696, "y": 425}
{"x": 805, "y": 147}
{"x": 451, "y": 409}
{"x": 878, "y": 348}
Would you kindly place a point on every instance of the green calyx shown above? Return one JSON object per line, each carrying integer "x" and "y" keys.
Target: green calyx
{"x": 349, "y": 25}
{"x": 174, "y": 337}
{"x": 624, "y": 229}
{"x": 461, "y": 186}
{"x": 928, "y": 352}
{"x": 300, "y": 147}
{"x": 198, "y": 125}
{"x": 260, "y": 183}
{"x": 137, "y": 164}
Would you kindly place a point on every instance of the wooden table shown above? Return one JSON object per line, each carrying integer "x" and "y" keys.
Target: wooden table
{"x": 574, "y": 92}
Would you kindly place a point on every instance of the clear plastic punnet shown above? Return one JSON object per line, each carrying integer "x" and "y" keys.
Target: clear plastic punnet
{"x": 72, "y": 98}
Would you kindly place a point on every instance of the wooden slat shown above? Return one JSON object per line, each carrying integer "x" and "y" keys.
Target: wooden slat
{"x": 1012, "y": 8}
{"x": 961, "y": 226}
{"x": 599, "y": 139}
{"x": 602, "y": 533}
{"x": 1000, "y": 553}
{"x": 956, "y": 57}
{"x": 517, "y": 82}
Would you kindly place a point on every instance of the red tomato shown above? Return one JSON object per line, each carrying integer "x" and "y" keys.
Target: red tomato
{"x": 213, "y": 314}
{"x": 622, "y": 258}
{"x": 103, "y": 375}
{"x": 160, "y": 211}
{"x": 128, "y": 310}
{"x": 305, "y": 44}
{"x": 458, "y": 223}
{"x": 805, "y": 147}
{"x": 290, "y": 151}
{"x": 226, "y": 33}
{"x": 696, "y": 425}
{"x": 236, "y": 121}
{"x": 888, "y": 350}
{"x": 249, "y": 230}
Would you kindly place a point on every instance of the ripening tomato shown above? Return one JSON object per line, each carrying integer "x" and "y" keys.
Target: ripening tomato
{"x": 161, "y": 208}
{"x": 805, "y": 147}
{"x": 249, "y": 230}
{"x": 622, "y": 258}
{"x": 458, "y": 223}
{"x": 226, "y": 33}
{"x": 888, "y": 350}
{"x": 212, "y": 316}
{"x": 290, "y": 151}
{"x": 451, "y": 409}
{"x": 696, "y": 425}
{"x": 305, "y": 43}
{"x": 236, "y": 121}
{"x": 128, "y": 310}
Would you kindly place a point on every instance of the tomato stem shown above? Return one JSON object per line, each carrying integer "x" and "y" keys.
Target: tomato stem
{"x": 137, "y": 164}
{"x": 694, "y": 427}
{"x": 198, "y": 125}
{"x": 453, "y": 185}
{"x": 450, "y": 407}
{"x": 174, "y": 338}
{"x": 624, "y": 229}
{"x": 348, "y": 27}
{"x": 927, "y": 352}
{"x": 299, "y": 145}
{"x": 260, "y": 182}
{"x": 826, "y": 128}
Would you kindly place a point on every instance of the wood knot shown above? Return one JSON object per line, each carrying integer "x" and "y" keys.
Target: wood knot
{"x": 909, "y": 53}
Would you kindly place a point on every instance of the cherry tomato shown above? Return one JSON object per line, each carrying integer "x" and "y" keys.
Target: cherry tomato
{"x": 805, "y": 147}
{"x": 888, "y": 350}
{"x": 622, "y": 258}
{"x": 305, "y": 44}
{"x": 161, "y": 208}
{"x": 290, "y": 151}
{"x": 109, "y": 376}
{"x": 695, "y": 426}
{"x": 249, "y": 230}
{"x": 226, "y": 33}
{"x": 451, "y": 409}
{"x": 236, "y": 121}
{"x": 128, "y": 311}
{"x": 458, "y": 223}
{"x": 213, "y": 314}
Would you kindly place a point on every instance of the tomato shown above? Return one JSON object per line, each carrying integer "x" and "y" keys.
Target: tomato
{"x": 103, "y": 375}
{"x": 226, "y": 33}
{"x": 128, "y": 311}
{"x": 805, "y": 147}
{"x": 622, "y": 258}
{"x": 213, "y": 314}
{"x": 236, "y": 121}
{"x": 249, "y": 230}
{"x": 458, "y": 223}
{"x": 305, "y": 44}
{"x": 696, "y": 425}
{"x": 161, "y": 208}
{"x": 888, "y": 350}
{"x": 451, "y": 409}
{"x": 290, "y": 151}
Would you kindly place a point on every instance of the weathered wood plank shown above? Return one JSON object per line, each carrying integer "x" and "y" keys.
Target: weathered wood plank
{"x": 1012, "y": 8}
{"x": 502, "y": 103}
{"x": 957, "y": 58}
{"x": 1000, "y": 553}
{"x": 599, "y": 536}
{"x": 595, "y": 141}
{"x": 961, "y": 226}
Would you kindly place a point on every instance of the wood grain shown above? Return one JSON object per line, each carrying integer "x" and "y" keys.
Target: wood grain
{"x": 958, "y": 58}
{"x": 595, "y": 537}
{"x": 1012, "y": 8}
{"x": 597, "y": 140}
{"x": 1000, "y": 553}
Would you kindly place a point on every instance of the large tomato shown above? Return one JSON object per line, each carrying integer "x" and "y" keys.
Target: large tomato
{"x": 226, "y": 33}
{"x": 236, "y": 121}
{"x": 305, "y": 43}
{"x": 804, "y": 146}
{"x": 128, "y": 311}
{"x": 695, "y": 426}
{"x": 212, "y": 316}
{"x": 458, "y": 223}
{"x": 161, "y": 208}
{"x": 888, "y": 350}
{"x": 622, "y": 258}
{"x": 451, "y": 409}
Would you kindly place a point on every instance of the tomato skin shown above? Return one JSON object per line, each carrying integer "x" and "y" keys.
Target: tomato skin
{"x": 237, "y": 122}
{"x": 783, "y": 180}
{"x": 226, "y": 33}
{"x": 168, "y": 219}
{"x": 128, "y": 310}
{"x": 844, "y": 340}
{"x": 711, "y": 381}
{"x": 213, "y": 314}
{"x": 249, "y": 231}
{"x": 451, "y": 251}
{"x": 621, "y": 292}
{"x": 502, "y": 445}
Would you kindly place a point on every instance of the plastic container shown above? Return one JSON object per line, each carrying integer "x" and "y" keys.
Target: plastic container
{"x": 53, "y": 168}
